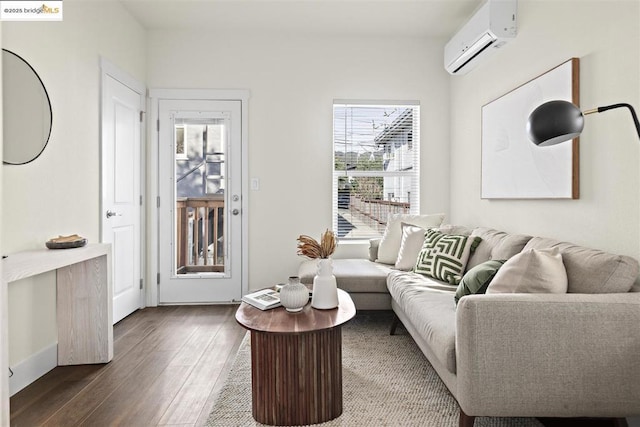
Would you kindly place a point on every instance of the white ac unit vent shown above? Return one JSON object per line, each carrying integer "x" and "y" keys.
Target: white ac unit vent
{"x": 489, "y": 29}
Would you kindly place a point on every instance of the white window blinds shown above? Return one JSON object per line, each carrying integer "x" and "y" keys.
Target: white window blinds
{"x": 376, "y": 152}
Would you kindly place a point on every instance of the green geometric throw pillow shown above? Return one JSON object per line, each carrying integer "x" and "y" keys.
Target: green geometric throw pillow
{"x": 444, "y": 256}
{"x": 476, "y": 280}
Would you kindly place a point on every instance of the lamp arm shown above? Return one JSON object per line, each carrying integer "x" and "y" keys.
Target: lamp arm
{"x": 611, "y": 107}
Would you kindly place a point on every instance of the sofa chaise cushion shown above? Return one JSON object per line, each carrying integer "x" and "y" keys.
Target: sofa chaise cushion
{"x": 430, "y": 305}
{"x": 352, "y": 275}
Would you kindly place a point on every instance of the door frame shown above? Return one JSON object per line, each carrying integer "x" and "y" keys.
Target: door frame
{"x": 108, "y": 68}
{"x": 153, "y": 174}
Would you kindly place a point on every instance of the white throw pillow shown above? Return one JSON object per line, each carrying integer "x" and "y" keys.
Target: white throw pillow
{"x": 390, "y": 242}
{"x": 532, "y": 271}
{"x": 410, "y": 245}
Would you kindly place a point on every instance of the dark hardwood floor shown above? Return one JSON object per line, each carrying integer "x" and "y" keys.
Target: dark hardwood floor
{"x": 168, "y": 365}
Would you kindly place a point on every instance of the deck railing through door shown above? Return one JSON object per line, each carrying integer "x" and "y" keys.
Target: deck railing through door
{"x": 199, "y": 234}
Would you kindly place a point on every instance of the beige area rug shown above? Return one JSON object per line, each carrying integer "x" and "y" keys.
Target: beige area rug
{"x": 386, "y": 381}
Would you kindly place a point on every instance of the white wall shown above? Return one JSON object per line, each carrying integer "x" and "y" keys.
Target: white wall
{"x": 606, "y": 37}
{"x": 59, "y": 193}
{"x": 293, "y": 80}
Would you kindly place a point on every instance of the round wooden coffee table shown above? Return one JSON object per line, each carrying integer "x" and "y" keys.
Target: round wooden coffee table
{"x": 296, "y": 362}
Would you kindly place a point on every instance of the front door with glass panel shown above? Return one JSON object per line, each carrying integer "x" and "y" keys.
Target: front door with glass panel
{"x": 200, "y": 235}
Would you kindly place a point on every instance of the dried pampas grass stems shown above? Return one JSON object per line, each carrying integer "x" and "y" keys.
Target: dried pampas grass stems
{"x": 309, "y": 247}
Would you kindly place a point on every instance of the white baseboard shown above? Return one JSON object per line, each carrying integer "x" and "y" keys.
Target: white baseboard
{"x": 29, "y": 370}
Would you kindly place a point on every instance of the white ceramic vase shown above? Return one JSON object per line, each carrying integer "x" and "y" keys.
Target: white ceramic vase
{"x": 294, "y": 295}
{"x": 325, "y": 290}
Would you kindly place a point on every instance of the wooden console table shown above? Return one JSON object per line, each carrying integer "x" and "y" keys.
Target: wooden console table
{"x": 296, "y": 362}
{"x": 84, "y": 305}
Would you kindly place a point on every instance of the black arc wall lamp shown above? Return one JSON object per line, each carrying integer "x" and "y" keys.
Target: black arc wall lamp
{"x": 557, "y": 121}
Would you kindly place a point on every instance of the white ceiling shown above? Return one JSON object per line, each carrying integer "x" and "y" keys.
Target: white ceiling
{"x": 423, "y": 18}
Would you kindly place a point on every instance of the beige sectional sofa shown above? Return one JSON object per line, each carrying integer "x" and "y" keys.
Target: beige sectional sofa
{"x": 575, "y": 354}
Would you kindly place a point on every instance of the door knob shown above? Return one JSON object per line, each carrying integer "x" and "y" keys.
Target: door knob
{"x": 111, "y": 213}
{"x": 235, "y": 211}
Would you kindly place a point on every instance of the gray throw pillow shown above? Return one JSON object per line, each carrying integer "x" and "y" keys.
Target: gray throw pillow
{"x": 477, "y": 279}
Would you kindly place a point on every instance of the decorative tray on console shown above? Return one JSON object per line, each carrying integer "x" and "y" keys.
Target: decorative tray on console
{"x": 66, "y": 242}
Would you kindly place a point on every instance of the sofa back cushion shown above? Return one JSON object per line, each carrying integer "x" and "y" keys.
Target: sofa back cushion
{"x": 591, "y": 271}
{"x": 460, "y": 230}
{"x": 495, "y": 245}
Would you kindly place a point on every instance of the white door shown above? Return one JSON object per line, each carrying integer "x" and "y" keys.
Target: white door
{"x": 200, "y": 185}
{"x": 121, "y": 195}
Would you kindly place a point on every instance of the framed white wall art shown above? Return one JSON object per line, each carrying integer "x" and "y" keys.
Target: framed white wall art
{"x": 512, "y": 166}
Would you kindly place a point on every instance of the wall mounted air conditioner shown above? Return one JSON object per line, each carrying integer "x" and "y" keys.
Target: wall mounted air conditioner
{"x": 489, "y": 29}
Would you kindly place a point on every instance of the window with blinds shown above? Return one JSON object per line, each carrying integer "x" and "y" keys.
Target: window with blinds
{"x": 376, "y": 152}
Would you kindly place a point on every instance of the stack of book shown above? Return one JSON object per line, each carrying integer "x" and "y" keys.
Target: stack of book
{"x": 265, "y": 299}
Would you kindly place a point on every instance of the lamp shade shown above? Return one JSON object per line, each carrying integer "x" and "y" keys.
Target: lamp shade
{"x": 554, "y": 122}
